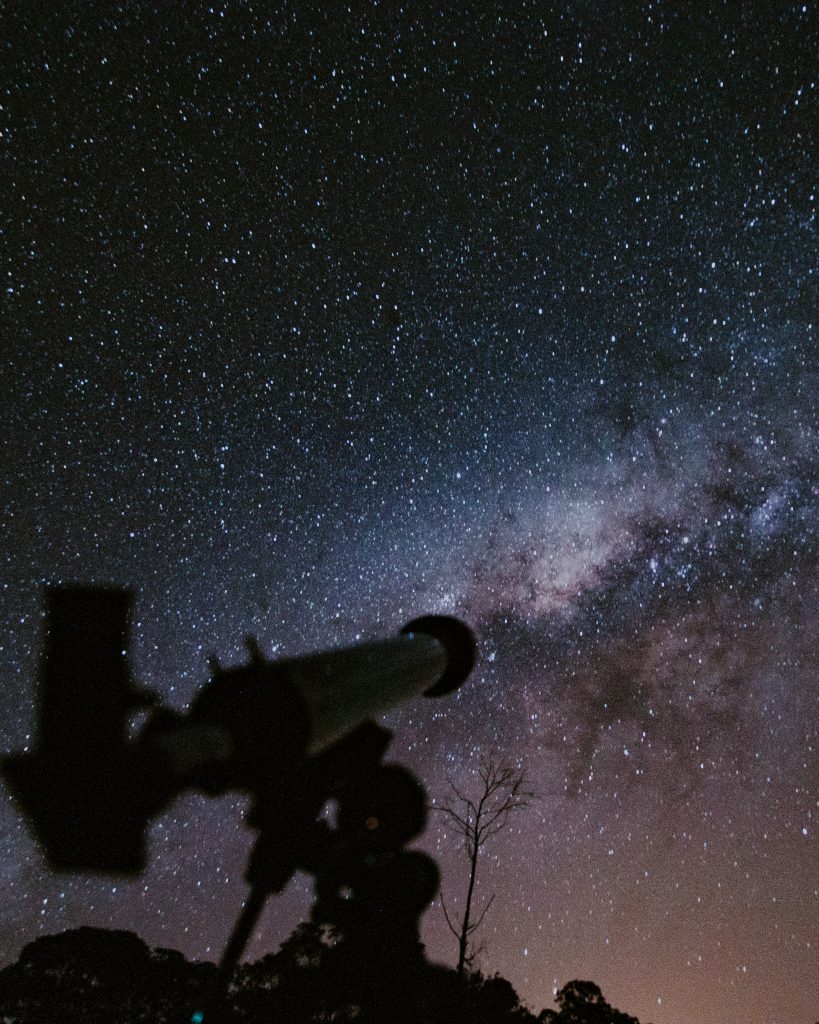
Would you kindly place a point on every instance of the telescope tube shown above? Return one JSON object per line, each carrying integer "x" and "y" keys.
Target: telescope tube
{"x": 432, "y": 656}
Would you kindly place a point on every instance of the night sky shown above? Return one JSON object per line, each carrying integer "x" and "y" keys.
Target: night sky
{"x": 319, "y": 317}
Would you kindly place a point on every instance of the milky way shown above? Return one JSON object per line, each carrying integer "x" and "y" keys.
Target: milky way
{"x": 317, "y": 321}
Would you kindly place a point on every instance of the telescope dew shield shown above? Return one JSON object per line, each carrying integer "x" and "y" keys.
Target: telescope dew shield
{"x": 459, "y": 643}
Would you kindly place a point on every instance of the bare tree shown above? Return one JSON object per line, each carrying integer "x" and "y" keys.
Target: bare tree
{"x": 502, "y": 791}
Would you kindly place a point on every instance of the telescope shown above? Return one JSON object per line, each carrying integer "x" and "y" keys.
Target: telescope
{"x": 294, "y": 734}
{"x": 89, "y": 790}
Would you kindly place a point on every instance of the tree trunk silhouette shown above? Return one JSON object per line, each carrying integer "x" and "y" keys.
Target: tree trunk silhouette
{"x": 465, "y": 925}
{"x": 503, "y": 790}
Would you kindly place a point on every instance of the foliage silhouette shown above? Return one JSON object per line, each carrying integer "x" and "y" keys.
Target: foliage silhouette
{"x": 94, "y": 975}
{"x": 582, "y": 1002}
{"x": 317, "y": 976}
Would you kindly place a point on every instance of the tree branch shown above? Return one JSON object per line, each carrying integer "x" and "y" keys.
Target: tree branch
{"x": 452, "y": 928}
{"x": 477, "y": 924}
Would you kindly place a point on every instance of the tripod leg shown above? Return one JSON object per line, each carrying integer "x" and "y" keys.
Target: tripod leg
{"x": 242, "y": 930}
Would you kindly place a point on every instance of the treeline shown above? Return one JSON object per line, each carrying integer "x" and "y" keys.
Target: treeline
{"x": 98, "y": 977}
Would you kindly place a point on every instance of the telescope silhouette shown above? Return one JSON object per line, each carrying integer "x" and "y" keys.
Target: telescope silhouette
{"x": 294, "y": 734}
{"x": 89, "y": 790}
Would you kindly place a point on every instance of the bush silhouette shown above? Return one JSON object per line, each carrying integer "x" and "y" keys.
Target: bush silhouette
{"x": 99, "y": 977}
{"x": 582, "y": 1002}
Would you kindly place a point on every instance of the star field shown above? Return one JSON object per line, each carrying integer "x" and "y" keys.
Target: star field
{"x": 316, "y": 320}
